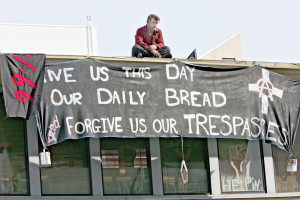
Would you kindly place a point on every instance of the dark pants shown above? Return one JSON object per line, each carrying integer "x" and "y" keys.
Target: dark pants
{"x": 165, "y": 51}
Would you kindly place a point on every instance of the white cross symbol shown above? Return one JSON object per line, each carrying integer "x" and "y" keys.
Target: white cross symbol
{"x": 265, "y": 84}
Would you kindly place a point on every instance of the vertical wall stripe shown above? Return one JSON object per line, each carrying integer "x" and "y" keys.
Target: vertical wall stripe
{"x": 33, "y": 157}
{"x": 214, "y": 166}
{"x": 96, "y": 170}
{"x": 156, "y": 166}
{"x": 269, "y": 170}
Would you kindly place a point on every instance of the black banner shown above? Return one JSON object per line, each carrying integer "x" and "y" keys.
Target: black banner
{"x": 19, "y": 75}
{"x": 88, "y": 98}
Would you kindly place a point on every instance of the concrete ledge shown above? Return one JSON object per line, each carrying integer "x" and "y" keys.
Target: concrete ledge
{"x": 222, "y": 63}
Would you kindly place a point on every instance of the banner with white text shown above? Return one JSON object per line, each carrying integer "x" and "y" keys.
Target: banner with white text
{"x": 89, "y": 98}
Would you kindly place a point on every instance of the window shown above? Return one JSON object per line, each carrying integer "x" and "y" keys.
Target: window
{"x": 69, "y": 171}
{"x": 13, "y": 171}
{"x": 240, "y": 165}
{"x": 196, "y": 158}
{"x": 286, "y": 181}
{"x": 125, "y": 166}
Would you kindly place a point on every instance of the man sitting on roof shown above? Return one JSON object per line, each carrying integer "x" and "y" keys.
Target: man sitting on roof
{"x": 149, "y": 41}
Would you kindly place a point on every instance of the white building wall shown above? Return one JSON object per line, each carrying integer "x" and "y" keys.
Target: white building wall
{"x": 48, "y": 39}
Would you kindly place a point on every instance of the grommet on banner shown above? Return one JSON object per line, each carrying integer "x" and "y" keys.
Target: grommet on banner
{"x": 292, "y": 163}
{"x": 45, "y": 159}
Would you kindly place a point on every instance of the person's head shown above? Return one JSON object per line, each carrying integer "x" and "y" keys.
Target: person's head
{"x": 152, "y": 21}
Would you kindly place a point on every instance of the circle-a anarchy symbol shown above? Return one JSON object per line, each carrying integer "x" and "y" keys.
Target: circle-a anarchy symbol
{"x": 264, "y": 84}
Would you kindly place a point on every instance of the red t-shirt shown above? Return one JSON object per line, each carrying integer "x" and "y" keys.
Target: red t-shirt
{"x": 145, "y": 41}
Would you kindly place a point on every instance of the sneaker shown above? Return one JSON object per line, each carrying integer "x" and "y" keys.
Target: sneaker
{"x": 139, "y": 55}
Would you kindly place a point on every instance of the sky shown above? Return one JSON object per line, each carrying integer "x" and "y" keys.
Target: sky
{"x": 270, "y": 29}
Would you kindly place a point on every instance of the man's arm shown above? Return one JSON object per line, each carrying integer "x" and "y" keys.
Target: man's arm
{"x": 139, "y": 39}
{"x": 160, "y": 40}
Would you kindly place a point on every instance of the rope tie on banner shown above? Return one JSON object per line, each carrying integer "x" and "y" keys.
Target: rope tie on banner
{"x": 40, "y": 131}
{"x": 182, "y": 152}
{"x": 292, "y": 156}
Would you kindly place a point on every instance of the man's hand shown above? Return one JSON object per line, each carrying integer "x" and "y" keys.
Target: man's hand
{"x": 156, "y": 53}
{"x": 152, "y": 47}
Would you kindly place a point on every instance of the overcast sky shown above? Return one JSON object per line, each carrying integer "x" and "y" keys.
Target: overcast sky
{"x": 270, "y": 29}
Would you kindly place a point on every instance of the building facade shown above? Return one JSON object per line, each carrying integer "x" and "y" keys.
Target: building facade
{"x": 148, "y": 168}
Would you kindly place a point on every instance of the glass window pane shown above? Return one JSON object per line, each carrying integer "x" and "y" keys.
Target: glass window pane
{"x": 195, "y": 155}
{"x": 13, "y": 172}
{"x": 126, "y": 166}
{"x": 286, "y": 181}
{"x": 240, "y": 165}
{"x": 69, "y": 172}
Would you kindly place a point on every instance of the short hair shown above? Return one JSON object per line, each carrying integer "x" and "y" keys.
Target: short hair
{"x": 152, "y": 16}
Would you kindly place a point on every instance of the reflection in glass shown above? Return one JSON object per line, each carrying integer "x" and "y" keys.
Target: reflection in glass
{"x": 125, "y": 166}
{"x": 195, "y": 155}
{"x": 69, "y": 171}
{"x": 286, "y": 181}
{"x": 13, "y": 172}
{"x": 240, "y": 165}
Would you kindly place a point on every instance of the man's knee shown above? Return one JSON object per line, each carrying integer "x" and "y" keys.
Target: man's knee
{"x": 167, "y": 48}
{"x": 136, "y": 46}
{"x": 135, "y": 50}
{"x": 165, "y": 52}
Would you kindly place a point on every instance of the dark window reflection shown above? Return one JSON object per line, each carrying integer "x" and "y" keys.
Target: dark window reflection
{"x": 125, "y": 166}
{"x": 69, "y": 172}
{"x": 195, "y": 155}
{"x": 13, "y": 171}
{"x": 286, "y": 181}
